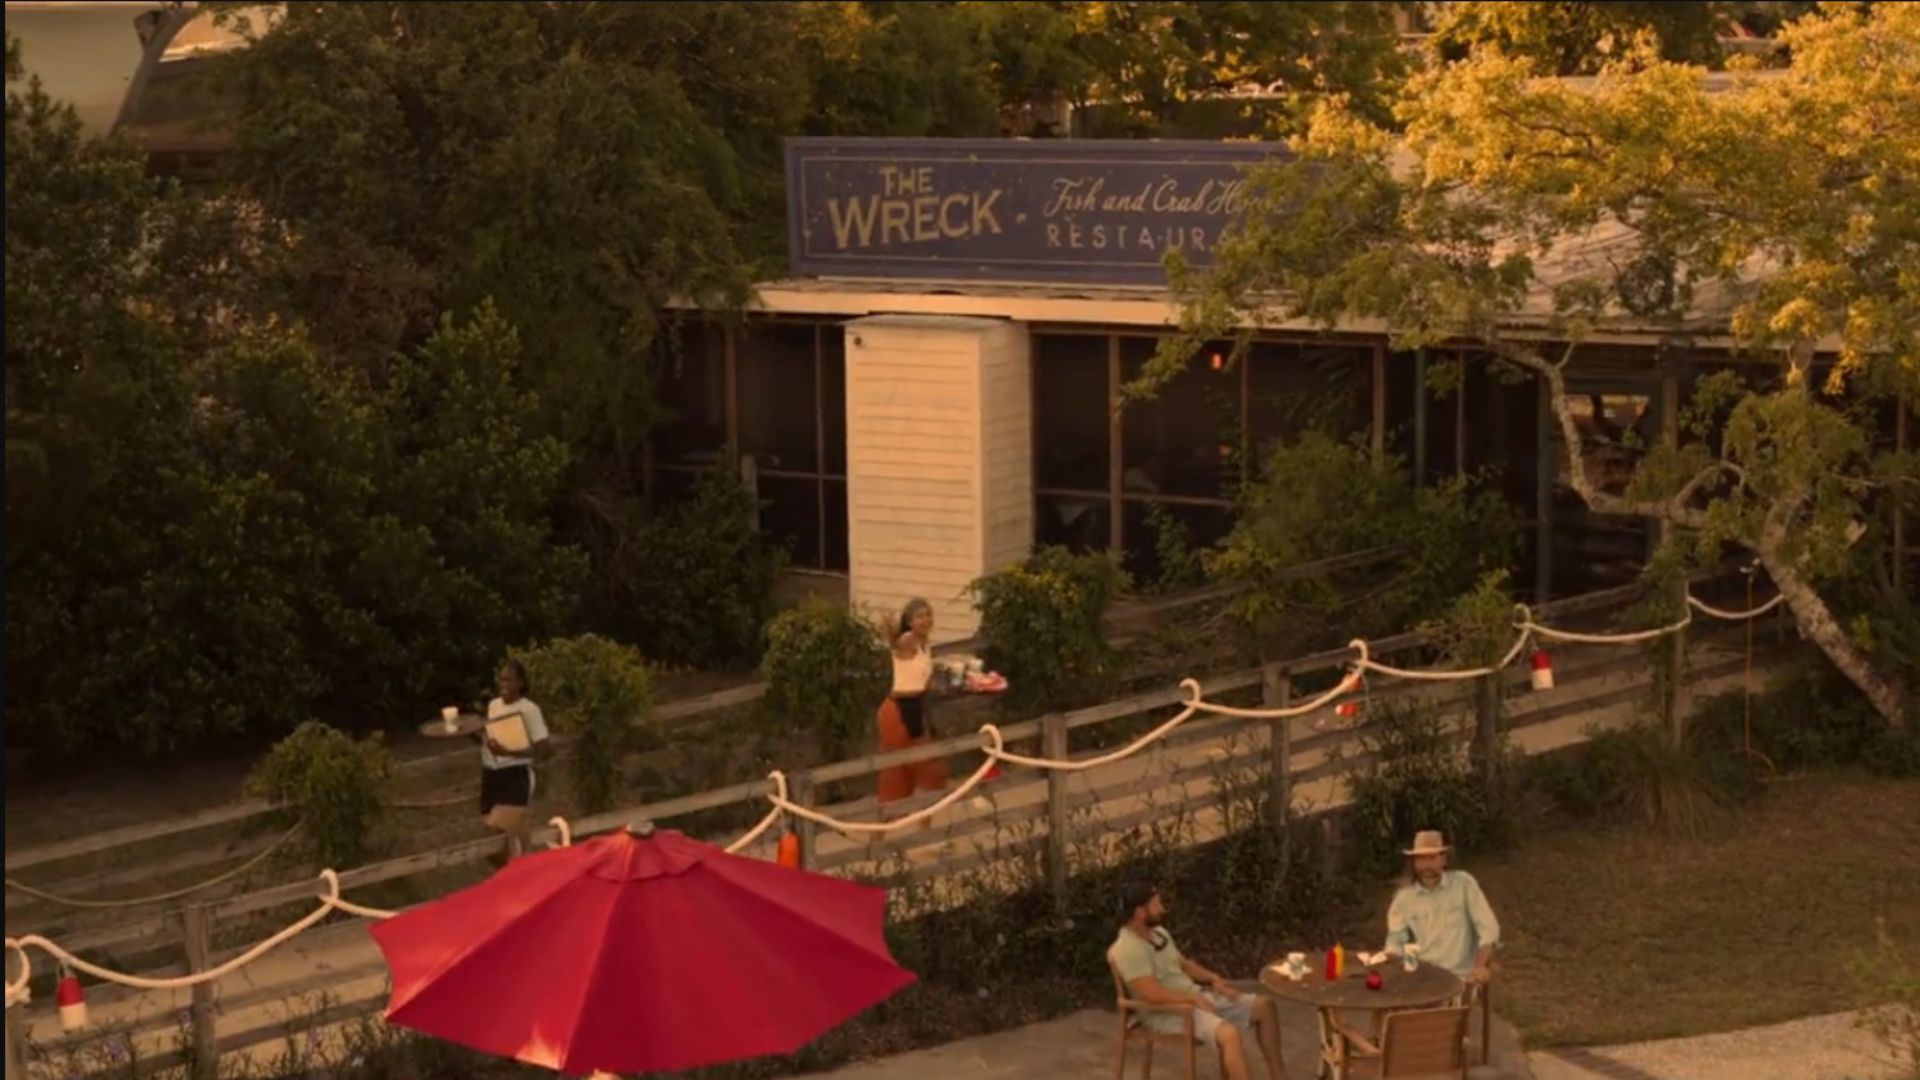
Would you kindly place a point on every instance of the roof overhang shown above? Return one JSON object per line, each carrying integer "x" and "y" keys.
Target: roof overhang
{"x": 1147, "y": 309}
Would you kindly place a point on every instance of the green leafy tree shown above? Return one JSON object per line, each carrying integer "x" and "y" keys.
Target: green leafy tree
{"x": 211, "y": 529}
{"x": 561, "y": 160}
{"x": 1155, "y": 58}
{"x": 1577, "y": 38}
{"x": 902, "y": 68}
{"x": 694, "y": 584}
{"x": 1789, "y": 199}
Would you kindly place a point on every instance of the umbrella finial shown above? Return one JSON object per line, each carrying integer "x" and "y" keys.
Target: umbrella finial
{"x": 641, "y": 829}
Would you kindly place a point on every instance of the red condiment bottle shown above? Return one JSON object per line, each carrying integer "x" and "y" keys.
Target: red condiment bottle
{"x": 1333, "y": 965}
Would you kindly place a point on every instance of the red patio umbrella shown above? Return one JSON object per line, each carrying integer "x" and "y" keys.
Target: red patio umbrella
{"x": 640, "y": 952}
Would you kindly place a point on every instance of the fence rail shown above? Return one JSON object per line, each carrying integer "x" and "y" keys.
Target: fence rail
{"x": 135, "y": 840}
{"x": 1044, "y": 809}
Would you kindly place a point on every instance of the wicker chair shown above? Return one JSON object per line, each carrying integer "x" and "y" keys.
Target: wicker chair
{"x": 1424, "y": 1043}
{"x": 1132, "y": 1030}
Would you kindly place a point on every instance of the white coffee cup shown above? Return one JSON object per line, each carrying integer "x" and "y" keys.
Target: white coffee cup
{"x": 1297, "y": 964}
{"x": 1410, "y": 957}
{"x": 450, "y": 717}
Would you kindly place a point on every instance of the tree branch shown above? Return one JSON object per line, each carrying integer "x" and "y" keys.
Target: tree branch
{"x": 1598, "y": 501}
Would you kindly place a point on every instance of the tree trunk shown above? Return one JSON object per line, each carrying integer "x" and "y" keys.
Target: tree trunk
{"x": 1816, "y": 621}
{"x": 1818, "y": 625}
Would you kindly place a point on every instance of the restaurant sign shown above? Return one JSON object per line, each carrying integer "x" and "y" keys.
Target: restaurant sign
{"x": 1093, "y": 211}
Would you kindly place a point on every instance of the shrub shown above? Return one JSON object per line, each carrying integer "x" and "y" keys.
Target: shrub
{"x": 1044, "y": 625}
{"x": 695, "y": 582}
{"x": 598, "y": 692}
{"x": 1177, "y": 563}
{"x": 827, "y": 670}
{"x": 1809, "y": 717}
{"x": 332, "y": 784}
{"x": 1891, "y": 976}
{"x": 1418, "y": 779}
{"x": 1640, "y": 774}
{"x": 1320, "y": 498}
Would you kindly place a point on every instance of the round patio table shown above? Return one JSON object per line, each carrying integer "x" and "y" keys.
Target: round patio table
{"x": 1427, "y": 986}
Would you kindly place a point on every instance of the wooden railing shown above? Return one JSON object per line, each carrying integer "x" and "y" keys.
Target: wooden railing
{"x": 1282, "y": 758}
{"x": 1126, "y": 619}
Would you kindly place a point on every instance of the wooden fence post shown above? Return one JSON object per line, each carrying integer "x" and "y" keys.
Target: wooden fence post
{"x": 1276, "y": 692}
{"x": 196, "y": 933}
{"x": 16, "y": 1028}
{"x": 800, "y": 791}
{"x": 1674, "y": 704}
{"x": 1053, "y": 744}
{"x": 1486, "y": 732}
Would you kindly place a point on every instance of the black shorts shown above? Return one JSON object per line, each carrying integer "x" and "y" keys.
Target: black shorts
{"x": 913, "y": 714}
{"x": 509, "y": 786}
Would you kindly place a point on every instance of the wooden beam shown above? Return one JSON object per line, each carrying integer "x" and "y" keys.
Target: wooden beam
{"x": 1053, "y": 743}
{"x": 1116, "y": 452}
{"x": 1900, "y": 518}
{"x": 1420, "y": 417}
{"x": 800, "y": 791}
{"x": 820, "y": 439}
{"x": 730, "y": 378}
{"x": 1276, "y": 692}
{"x": 1460, "y": 418}
{"x": 196, "y": 937}
{"x": 1543, "y": 471}
{"x": 1379, "y": 401}
{"x": 1669, "y": 405}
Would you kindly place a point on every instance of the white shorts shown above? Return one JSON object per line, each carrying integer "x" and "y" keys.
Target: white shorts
{"x": 1206, "y": 1025}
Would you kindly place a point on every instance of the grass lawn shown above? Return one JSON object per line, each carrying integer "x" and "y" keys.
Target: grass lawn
{"x": 1621, "y": 935}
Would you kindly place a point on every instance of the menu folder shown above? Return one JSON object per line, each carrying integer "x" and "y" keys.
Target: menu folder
{"x": 510, "y": 731}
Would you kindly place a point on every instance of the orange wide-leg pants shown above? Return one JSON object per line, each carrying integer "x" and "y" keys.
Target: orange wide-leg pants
{"x": 900, "y": 781}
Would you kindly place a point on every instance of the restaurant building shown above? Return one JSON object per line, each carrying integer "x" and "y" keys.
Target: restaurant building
{"x": 930, "y": 394}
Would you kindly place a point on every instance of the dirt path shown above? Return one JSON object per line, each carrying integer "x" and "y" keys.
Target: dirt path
{"x": 98, "y": 798}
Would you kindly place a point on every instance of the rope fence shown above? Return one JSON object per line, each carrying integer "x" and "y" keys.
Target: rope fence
{"x": 994, "y": 751}
{"x": 74, "y": 902}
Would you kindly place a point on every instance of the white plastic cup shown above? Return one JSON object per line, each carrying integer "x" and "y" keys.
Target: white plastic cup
{"x": 1410, "y": 958}
{"x": 1297, "y": 964}
{"x": 450, "y": 717}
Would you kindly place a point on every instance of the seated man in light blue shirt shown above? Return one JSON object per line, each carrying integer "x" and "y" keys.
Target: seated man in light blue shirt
{"x": 1444, "y": 913}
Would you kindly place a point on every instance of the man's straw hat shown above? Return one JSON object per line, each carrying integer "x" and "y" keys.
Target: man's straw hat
{"x": 1429, "y": 842}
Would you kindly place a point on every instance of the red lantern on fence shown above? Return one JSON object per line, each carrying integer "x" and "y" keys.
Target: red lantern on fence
{"x": 1355, "y": 682}
{"x": 1542, "y": 670}
{"x": 72, "y": 1001}
{"x": 789, "y": 854}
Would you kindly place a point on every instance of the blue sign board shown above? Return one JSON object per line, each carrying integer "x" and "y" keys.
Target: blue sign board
{"x": 1101, "y": 212}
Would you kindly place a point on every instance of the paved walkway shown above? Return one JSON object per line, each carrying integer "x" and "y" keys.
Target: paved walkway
{"x": 1817, "y": 1048}
{"x": 1084, "y": 1045}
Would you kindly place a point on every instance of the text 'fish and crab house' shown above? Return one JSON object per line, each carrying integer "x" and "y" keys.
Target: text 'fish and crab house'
{"x": 1090, "y": 212}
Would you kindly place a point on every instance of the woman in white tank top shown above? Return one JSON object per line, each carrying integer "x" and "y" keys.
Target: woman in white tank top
{"x": 903, "y": 719}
